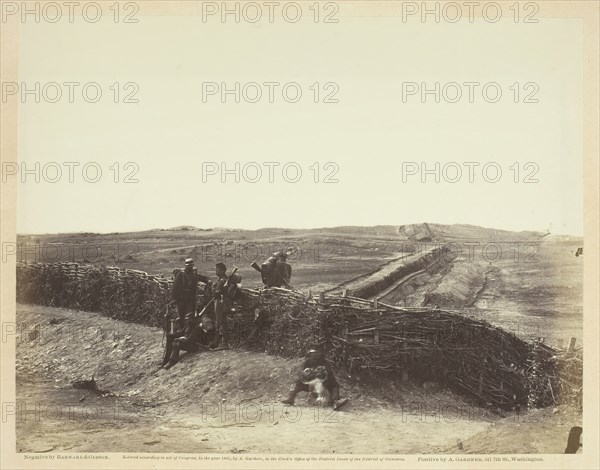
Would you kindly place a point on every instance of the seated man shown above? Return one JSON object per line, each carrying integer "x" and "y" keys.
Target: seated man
{"x": 195, "y": 335}
{"x": 315, "y": 380}
{"x": 316, "y": 370}
{"x": 209, "y": 330}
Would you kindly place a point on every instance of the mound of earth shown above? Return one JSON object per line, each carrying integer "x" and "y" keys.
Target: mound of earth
{"x": 226, "y": 401}
{"x": 124, "y": 360}
{"x": 388, "y": 274}
{"x": 458, "y": 287}
{"x": 427, "y": 232}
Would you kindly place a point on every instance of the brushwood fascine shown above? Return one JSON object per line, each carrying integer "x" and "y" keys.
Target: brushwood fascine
{"x": 364, "y": 338}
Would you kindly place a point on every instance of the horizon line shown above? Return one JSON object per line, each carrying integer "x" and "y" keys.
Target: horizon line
{"x": 184, "y": 227}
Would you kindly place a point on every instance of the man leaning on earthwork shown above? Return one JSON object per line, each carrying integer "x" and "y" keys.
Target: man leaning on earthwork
{"x": 185, "y": 289}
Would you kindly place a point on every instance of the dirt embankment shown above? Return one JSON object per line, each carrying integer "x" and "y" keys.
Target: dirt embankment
{"x": 227, "y": 401}
{"x": 459, "y": 286}
{"x": 456, "y": 284}
{"x": 372, "y": 284}
{"x": 463, "y": 232}
{"x": 432, "y": 277}
{"x": 124, "y": 359}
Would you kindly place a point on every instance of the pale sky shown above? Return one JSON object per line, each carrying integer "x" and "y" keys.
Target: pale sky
{"x": 370, "y": 134}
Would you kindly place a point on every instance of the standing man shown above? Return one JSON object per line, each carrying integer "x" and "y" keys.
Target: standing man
{"x": 266, "y": 270}
{"x": 185, "y": 289}
{"x": 284, "y": 270}
{"x": 276, "y": 272}
{"x": 224, "y": 291}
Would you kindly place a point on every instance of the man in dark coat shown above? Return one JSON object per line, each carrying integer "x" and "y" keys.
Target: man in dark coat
{"x": 196, "y": 334}
{"x": 224, "y": 291}
{"x": 185, "y": 290}
{"x": 276, "y": 272}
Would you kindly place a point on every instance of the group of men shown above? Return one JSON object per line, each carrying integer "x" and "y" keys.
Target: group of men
{"x": 193, "y": 331}
{"x": 207, "y": 329}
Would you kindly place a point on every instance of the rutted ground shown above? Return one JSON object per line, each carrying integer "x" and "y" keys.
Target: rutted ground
{"x": 537, "y": 297}
{"x": 225, "y": 401}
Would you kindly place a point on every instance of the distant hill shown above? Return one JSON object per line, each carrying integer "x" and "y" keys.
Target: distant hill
{"x": 187, "y": 227}
{"x": 562, "y": 238}
{"x": 424, "y": 232}
{"x": 438, "y": 232}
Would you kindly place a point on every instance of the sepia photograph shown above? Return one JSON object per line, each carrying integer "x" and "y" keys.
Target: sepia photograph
{"x": 311, "y": 234}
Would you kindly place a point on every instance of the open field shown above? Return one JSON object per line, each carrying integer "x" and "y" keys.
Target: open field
{"x": 539, "y": 298}
{"x": 322, "y": 258}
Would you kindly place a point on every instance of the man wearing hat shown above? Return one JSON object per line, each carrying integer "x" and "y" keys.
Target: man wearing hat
{"x": 189, "y": 339}
{"x": 185, "y": 289}
{"x": 316, "y": 359}
{"x": 224, "y": 291}
{"x": 284, "y": 270}
{"x": 276, "y": 272}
